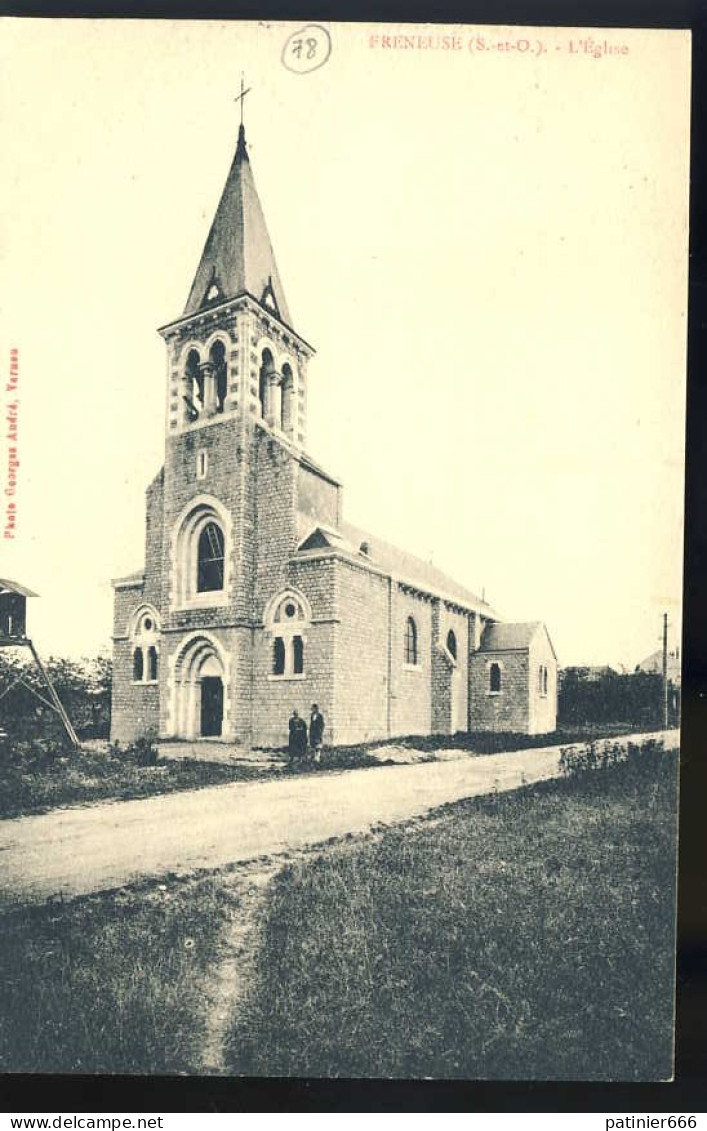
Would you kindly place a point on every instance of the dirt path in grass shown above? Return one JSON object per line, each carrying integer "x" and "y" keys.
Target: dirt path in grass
{"x": 73, "y": 851}
{"x": 231, "y": 974}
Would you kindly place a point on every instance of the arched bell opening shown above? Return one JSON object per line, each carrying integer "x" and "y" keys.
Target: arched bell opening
{"x": 217, "y": 357}
{"x": 193, "y": 395}
{"x": 267, "y": 368}
{"x": 288, "y": 400}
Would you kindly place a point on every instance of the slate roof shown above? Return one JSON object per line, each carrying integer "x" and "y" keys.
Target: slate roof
{"x": 7, "y": 586}
{"x": 324, "y": 537}
{"x": 238, "y": 257}
{"x": 500, "y": 637}
{"x": 398, "y": 563}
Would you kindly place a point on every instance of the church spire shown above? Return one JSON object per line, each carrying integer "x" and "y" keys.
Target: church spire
{"x": 238, "y": 257}
{"x": 241, "y": 149}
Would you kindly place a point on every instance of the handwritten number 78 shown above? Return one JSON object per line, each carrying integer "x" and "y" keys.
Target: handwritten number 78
{"x": 308, "y": 45}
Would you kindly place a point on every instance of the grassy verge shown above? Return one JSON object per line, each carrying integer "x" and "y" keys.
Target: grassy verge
{"x": 496, "y": 743}
{"x": 528, "y": 935}
{"x": 37, "y": 776}
{"x": 111, "y": 982}
{"x": 34, "y": 778}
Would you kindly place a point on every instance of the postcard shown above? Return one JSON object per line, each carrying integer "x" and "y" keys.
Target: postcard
{"x": 341, "y": 497}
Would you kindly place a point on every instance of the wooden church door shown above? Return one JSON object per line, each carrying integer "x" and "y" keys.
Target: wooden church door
{"x": 211, "y": 706}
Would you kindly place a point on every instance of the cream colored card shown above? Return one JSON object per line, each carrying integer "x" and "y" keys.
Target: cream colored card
{"x": 481, "y": 232}
{"x": 486, "y": 248}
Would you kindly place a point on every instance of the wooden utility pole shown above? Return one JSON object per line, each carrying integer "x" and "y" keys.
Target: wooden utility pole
{"x": 58, "y": 705}
{"x": 665, "y": 671}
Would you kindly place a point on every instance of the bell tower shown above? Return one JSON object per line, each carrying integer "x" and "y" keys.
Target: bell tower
{"x": 222, "y": 517}
{"x": 233, "y": 352}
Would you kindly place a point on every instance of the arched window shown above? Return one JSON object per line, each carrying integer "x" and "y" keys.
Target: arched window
{"x": 217, "y": 357}
{"x": 193, "y": 388}
{"x": 452, "y": 644}
{"x": 287, "y": 618}
{"x": 267, "y": 367}
{"x": 278, "y": 656}
{"x": 495, "y": 678}
{"x": 144, "y": 633}
{"x": 210, "y": 559}
{"x": 200, "y": 550}
{"x": 411, "y": 642}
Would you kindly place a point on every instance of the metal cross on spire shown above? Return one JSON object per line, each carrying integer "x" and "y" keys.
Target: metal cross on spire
{"x": 241, "y": 97}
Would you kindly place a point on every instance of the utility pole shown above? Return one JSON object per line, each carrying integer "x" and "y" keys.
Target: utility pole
{"x": 665, "y": 671}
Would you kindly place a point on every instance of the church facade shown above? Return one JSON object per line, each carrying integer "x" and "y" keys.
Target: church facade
{"x": 257, "y": 596}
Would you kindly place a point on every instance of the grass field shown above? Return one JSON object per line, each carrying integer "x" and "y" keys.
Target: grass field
{"x": 528, "y": 935}
{"x": 113, "y": 982}
{"x": 522, "y": 935}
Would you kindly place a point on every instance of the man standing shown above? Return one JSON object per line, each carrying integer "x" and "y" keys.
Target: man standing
{"x": 316, "y": 732}
{"x": 297, "y": 746}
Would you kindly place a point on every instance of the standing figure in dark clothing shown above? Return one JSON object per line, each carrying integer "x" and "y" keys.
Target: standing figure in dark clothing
{"x": 297, "y": 746}
{"x": 316, "y": 732}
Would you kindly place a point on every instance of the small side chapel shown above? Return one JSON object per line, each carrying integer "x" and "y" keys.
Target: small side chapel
{"x": 256, "y": 596}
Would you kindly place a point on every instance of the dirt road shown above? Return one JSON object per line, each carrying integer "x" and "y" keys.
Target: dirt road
{"x": 73, "y": 851}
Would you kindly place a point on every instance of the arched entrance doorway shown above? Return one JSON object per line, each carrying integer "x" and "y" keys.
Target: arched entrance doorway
{"x": 200, "y": 690}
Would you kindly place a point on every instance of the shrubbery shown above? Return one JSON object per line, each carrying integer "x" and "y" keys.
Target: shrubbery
{"x": 84, "y": 687}
{"x": 634, "y": 699}
{"x": 605, "y": 755}
{"x": 144, "y": 750}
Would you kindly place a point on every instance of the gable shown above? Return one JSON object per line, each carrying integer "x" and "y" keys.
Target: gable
{"x": 317, "y": 540}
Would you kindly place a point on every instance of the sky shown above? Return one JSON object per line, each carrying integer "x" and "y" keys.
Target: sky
{"x": 487, "y": 248}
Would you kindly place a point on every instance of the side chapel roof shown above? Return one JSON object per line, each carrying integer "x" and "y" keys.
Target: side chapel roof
{"x": 508, "y": 637}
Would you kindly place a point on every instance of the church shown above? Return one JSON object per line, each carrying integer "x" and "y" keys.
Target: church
{"x": 257, "y": 596}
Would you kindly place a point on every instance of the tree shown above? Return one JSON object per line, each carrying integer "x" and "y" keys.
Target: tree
{"x": 84, "y": 687}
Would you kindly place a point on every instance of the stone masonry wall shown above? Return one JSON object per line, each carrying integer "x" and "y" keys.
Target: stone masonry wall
{"x": 274, "y": 697}
{"x": 411, "y": 687}
{"x": 154, "y": 535}
{"x": 442, "y": 674}
{"x": 450, "y": 677}
{"x": 508, "y": 710}
{"x": 361, "y": 696}
{"x": 182, "y": 485}
{"x": 134, "y": 706}
{"x": 543, "y": 707}
{"x": 273, "y": 485}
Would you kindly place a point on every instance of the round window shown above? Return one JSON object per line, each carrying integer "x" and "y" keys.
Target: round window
{"x": 147, "y": 624}
{"x": 290, "y": 609}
